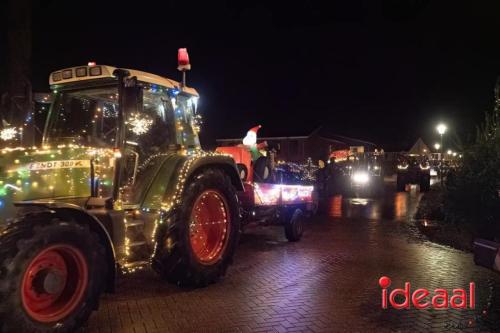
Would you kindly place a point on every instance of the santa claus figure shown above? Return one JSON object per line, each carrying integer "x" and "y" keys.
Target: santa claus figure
{"x": 250, "y": 141}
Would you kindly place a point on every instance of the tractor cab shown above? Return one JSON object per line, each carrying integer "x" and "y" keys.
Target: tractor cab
{"x": 413, "y": 169}
{"x": 104, "y": 131}
{"x": 357, "y": 173}
{"x": 157, "y": 116}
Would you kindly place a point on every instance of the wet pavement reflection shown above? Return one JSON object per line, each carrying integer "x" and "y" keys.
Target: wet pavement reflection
{"x": 327, "y": 282}
{"x": 392, "y": 205}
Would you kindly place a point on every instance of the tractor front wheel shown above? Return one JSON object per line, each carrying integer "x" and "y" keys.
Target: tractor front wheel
{"x": 52, "y": 275}
{"x": 202, "y": 236}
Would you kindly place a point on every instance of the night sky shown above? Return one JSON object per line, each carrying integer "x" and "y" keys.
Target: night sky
{"x": 384, "y": 71}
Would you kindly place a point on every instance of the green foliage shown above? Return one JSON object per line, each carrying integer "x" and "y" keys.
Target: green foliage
{"x": 472, "y": 191}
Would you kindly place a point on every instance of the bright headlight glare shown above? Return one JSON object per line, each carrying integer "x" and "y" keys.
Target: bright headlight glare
{"x": 403, "y": 167}
{"x": 360, "y": 177}
{"x": 425, "y": 166}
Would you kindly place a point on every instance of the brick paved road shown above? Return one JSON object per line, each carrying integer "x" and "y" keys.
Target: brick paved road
{"x": 325, "y": 283}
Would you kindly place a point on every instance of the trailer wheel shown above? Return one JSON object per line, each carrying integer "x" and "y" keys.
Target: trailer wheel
{"x": 294, "y": 227}
{"x": 202, "y": 236}
{"x": 52, "y": 275}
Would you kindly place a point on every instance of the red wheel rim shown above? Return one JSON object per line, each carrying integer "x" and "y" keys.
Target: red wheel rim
{"x": 209, "y": 227}
{"x": 54, "y": 283}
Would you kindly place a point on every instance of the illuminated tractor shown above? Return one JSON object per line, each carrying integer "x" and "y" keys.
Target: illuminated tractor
{"x": 265, "y": 199}
{"x": 119, "y": 184}
{"x": 413, "y": 169}
{"x": 359, "y": 174}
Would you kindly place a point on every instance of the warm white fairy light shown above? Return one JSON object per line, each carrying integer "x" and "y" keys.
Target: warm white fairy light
{"x": 196, "y": 123}
{"x": 140, "y": 124}
{"x": 8, "y": 133}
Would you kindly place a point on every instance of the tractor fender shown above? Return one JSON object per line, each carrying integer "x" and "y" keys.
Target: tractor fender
{"x": 226, "y": 163}
{"x": 168, "y": 177}
{"x": 62, "y": 209}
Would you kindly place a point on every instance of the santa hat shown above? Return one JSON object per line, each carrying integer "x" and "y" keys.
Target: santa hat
{"x": 255, "y": 129}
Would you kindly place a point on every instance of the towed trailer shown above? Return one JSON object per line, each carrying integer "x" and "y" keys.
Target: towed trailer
{"x": 265, "y": 201}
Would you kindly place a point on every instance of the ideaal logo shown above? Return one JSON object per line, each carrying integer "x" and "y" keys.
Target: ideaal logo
{"x": 422, "y": 298}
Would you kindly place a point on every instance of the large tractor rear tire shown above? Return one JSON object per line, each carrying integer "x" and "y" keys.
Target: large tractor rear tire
{"x": 202, "y": 235}
{"x": 52, "y": 274}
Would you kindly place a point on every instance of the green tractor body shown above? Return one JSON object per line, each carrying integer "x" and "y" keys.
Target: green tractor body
{"x": 119, "y": 183}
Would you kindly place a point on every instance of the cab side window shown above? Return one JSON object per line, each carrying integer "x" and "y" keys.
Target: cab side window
{"x": 149, "y": 128}
{"x": 149, "y": 131}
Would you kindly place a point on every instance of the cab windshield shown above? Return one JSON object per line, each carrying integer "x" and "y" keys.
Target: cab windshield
{"x": 84, "y": 117}
{"x": 89, "y": 117}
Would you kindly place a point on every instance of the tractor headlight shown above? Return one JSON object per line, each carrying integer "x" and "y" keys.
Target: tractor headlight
{"x": 424, "y": 166}
{"x": 360, "y": 177}
{"x": 81, "y": 71}
{"x": 95, "y": 71}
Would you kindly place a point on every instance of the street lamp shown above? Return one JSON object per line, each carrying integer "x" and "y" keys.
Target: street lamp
{"x": 441, "y": 129}
{"x": 437, "y": 146}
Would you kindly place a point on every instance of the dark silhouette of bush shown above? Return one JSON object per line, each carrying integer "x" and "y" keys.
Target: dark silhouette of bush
{"x": 472, "y": 191}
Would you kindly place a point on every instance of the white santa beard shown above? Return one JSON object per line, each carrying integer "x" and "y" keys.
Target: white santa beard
{"x": 250, "y": 139}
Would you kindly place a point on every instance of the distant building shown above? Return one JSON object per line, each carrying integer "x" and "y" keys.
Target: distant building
{"x": 317, "y": 145}
{"x": 419, "y": 148}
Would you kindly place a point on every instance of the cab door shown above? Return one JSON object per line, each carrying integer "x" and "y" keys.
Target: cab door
{"x": 148, "y": 135}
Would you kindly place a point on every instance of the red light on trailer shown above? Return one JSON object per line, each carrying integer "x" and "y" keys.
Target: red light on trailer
{"x": 91, "y": 63}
